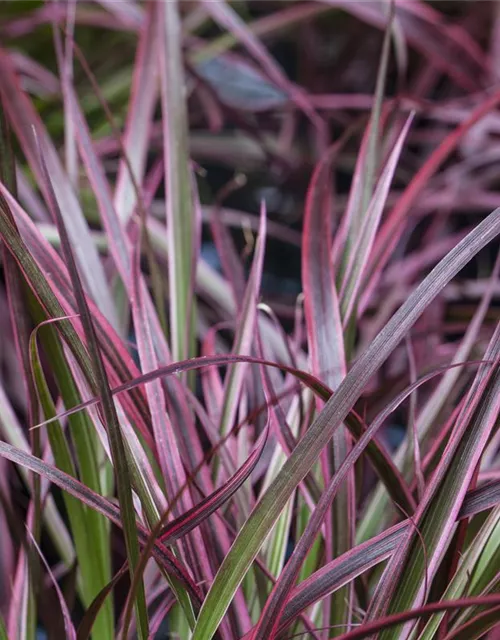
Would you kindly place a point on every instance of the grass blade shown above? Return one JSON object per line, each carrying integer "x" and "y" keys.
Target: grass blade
{"x": 110, "y": 416}
{"x": 326, "y": 346}
{"x": 436, "y": 514}
{"x": 266, "y": 512}
{"x": 180, "y": 210}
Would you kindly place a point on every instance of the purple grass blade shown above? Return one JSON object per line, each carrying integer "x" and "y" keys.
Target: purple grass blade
{"x": 390, "y": 231}
{"x": 306, "y": 453}
{"x": 165, "y": 437}
{"x": 23, "y": 117}
{"x": 326, "y": 345}
{"x": 359, "y": 255}
{"x": 269, "y": 622}
{"x": 245, "y": 331}
{"x": 445, "y": 493}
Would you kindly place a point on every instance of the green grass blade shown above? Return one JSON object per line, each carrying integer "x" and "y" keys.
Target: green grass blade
{"x": 111, "y": 422}
{"x": 89, "y": 529}
{"x": 180, "y": 212}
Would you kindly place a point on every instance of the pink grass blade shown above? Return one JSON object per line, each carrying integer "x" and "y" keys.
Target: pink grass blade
{"x": 270, "y": 619}
{"x": 326, "y": 345}
{"x": 373, "y": 151}
{"x": 437, "y": 512}
{"x": 23, "y": 117}
{"x": 266, "y": 512}
{"x": 391, "y": 230}
{"x": 165, "y": 437}
{"x": 245, "y": 331}
{"x": 374, "y": 515}
{"x": 361, "y": 249}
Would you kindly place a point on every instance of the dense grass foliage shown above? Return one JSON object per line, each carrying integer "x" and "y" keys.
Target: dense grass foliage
{"x": 249, "y": 301}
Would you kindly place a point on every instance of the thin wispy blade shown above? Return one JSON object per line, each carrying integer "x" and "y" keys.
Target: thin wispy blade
{"x": 245, "y": 330}
{"x": 392, "y": 228}
{"x": 373, "y": 150}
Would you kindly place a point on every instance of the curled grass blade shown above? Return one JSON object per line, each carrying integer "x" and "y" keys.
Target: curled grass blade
{"x": 379, "y": 457}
